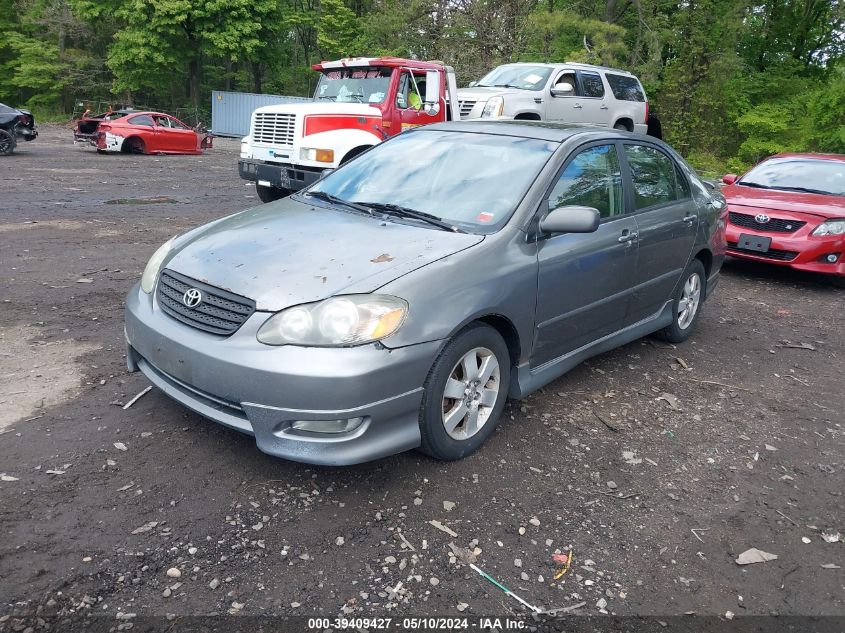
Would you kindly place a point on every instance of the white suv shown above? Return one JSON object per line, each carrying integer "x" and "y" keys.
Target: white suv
{"x": 570, "y": 93}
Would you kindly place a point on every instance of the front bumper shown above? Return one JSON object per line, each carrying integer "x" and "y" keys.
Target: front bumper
{"x": 260, "y": 389}
{"x": 280, "y": 176}
{"x": 798, "y": 250}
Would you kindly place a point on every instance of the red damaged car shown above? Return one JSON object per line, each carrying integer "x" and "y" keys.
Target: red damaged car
{"x": 789, "y": 210}
{"x": 134, "y": 132}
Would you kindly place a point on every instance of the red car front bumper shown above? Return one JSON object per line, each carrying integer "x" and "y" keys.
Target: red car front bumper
{"x": 791, "y": 241}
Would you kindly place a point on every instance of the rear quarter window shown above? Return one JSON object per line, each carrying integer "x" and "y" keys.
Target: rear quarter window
{"x": 625, "y": 88}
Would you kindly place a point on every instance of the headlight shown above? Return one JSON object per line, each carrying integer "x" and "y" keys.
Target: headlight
{"x": 339, "y": 321}
{"x": 148, "y": 279}
{"x": 318, "y": 155}
{"x": 494, "y": 107}
{"x": 830, "y": 227}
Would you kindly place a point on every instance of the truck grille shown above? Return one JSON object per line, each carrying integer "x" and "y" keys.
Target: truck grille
{"x": 466, "y": 107}
{"x": 273, "y": 128}
{"x": 774, "y": 225}
{"x": 218, "y": 312}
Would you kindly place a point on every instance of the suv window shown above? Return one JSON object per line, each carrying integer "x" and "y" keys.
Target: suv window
{"x": 592, "y": 84}
{"x": 592, "y": 179}
{"x": 144, "y": 119}
{"x": 625, "y": 88}
{"x": 653, "y": 175}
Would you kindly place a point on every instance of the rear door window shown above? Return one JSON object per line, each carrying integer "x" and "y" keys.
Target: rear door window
{"x": 653, "y": 176}
{"x": 591, "y": 84}
{"x": 625, "y": 88}
{"x": 144, "y": 120}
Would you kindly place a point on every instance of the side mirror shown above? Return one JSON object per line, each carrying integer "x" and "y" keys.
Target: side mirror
{"x": 326, "y": 172}
{"x": 729, "y": 179}
{"x": 472, "y": 84}
{"x": 432, "y": 92}
{"x": 571, "y": 219}
{"x": 563, "y": 90}
{"x": 712, "y": 186}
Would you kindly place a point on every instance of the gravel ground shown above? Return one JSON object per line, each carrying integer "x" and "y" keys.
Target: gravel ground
{"x": 655, "y": 465}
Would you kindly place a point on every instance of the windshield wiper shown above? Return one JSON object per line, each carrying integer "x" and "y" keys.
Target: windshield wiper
{"x": 332, "y": 97}
{"x": 322, "y": 195}
{"x": 505, "y": 86}
{"x": 405, "y": 212}
{"x": 804, "y": 190}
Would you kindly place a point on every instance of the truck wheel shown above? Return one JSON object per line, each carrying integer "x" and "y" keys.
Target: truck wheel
{"x": 7, "y": 143}
{"x": 270, "y": 194}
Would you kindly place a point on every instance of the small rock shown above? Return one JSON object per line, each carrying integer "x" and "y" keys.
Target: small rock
{"x": 521, "y": 530}
{"x": 804, "y": 539}
{"x": 173, "y": 572}
{"x": 389, "y": 559}
{"x": 417, "y": 502}
{"x": 192, "y": 550}
{"x": 524, "y": 576}
{"x": 434, "y": 581}
{"x": 462, "y": 606}
{"x": 729, "y": 615}
{"x": 214, "y": 583}
{"x": 601, "y": 604}
{"x": 517, "y": 562}
{"x": 534, "y": 521}
{"x": 448, "y": 505}
{"x": 612, "y": 485}
{"x": 295, "y": 605}
{"x": 339, "y": 541}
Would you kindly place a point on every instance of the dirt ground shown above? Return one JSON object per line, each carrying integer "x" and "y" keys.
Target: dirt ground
{"x": 655, "y": 465}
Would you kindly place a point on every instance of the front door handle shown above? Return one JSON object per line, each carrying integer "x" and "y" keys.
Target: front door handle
{"x": 603, "y": 107}
{"x": 628, "y": 237}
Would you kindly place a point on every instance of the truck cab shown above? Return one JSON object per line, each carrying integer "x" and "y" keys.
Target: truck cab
{"x": 358, "y": 103}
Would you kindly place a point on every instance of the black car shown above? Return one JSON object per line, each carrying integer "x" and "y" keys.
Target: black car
{"x": 15, "y": 124}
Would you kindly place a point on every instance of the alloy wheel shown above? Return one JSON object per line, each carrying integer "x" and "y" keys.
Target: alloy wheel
{"x": 689, "y": 301}
{"x": 471, "y": 392}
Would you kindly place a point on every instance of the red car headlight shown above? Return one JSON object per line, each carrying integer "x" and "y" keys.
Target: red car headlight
{"x": 830, "y": 227}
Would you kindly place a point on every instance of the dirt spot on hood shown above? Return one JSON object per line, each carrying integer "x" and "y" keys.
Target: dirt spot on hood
{"x": 51, "y": 374}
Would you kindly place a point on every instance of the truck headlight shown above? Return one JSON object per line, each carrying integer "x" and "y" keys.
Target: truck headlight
{"x": 494, "y": 107}
{"x": 341, "y": 321}
{"x": 830, "y": 227}
{"x": 148, "y": 279}
{"x": 318, "y": 155}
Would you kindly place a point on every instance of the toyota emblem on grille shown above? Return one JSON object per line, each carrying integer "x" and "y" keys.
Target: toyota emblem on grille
{"x": 192, "y": 297}
{"x": 761, "y": 218}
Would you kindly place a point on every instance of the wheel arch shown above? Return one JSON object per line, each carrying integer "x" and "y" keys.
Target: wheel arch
{"x": 626, "y": 121}
{"x": 528, "y": 116}
{"x": 706, "y": 258}
{"x": 502, "y": 324}
{"x": 352, "y": 153}
{"x": 127, "y": 143}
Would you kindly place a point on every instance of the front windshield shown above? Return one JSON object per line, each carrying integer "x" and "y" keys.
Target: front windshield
{"x": 510, "y": 76}
{"x": 798, "y": 174}
{"x": 474, "y": 181}
{"x": 353, "y": 85}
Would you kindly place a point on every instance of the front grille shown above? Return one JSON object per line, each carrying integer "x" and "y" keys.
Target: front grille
{"x": 219, "y": 312}
{"x": 466, "y": 106}
{"x": 775, "y": 225}
{"x": 772, "y": 253}
{"x": 274, "y": 128}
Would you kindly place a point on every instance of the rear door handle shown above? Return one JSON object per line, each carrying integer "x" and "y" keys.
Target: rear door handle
{"x": 628, "y": 237}
{"x": 577, "y": 105}
{"x": 603, "y": 107}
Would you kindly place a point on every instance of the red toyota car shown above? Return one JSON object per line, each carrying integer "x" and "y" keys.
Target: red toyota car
{"x": 789, "y": 210}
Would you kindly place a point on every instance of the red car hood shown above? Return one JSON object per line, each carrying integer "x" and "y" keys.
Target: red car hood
{"x": 792, "y": 201}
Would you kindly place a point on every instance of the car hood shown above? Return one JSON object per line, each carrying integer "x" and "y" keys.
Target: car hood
{"x": 322, "y": 107}
{"x": 288, "y": 252}
{"x": 791, "y": 201}
{"x": 482, "y": 94}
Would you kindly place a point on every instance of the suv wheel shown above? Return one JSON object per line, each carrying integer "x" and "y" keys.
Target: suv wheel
{"x": 465, "y": 393}
{"x": 621, "y": 126}
{"x": 686, "y": 304}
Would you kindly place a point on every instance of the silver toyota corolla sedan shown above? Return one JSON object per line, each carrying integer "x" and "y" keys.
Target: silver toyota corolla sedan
{"x": 400, "y": 300}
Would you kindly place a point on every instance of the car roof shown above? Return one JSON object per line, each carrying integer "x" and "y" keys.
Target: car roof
{"x": 810, "y": 155}
{"x": 576, "y": 65}
{"x": 541, "y": 130}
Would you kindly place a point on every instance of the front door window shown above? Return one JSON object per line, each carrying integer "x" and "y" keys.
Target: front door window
{"x": 592, "y": 179}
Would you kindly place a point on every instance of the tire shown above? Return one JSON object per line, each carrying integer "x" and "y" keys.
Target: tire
{"x": 622, "y": 127}
{"x": 7, "y": 142}
{"x": 692, "y": 286}
{"x": 270, "y": 194}
{"x": 134, "y": 146}
{"x": 478, "y": 344}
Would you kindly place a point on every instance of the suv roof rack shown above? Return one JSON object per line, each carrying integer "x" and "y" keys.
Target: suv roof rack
{"x": 609, "y": 68}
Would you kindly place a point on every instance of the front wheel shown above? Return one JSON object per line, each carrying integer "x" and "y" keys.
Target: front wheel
{"x": 465, "y": 393}
{"x": 7, "y": 143}
{"x": 686, "y": 304}
{"x": 270, "y": 194}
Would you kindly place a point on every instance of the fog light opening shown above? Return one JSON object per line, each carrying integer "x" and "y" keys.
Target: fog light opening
{"x": 327, "y": 426}
{"x": 830, "y": 258}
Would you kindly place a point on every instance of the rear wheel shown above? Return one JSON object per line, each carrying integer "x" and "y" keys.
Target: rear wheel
{"x": 465, "y": 393}
{"x": 686, "y": 305}
{"x": 7, "y": 143}
{"x": 270, "y": 194}
{"x": 621, "y": 126}
{"x": 134, "y": 146}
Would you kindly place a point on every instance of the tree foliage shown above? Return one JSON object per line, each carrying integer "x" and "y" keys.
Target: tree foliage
{"x": 732, "y": 80}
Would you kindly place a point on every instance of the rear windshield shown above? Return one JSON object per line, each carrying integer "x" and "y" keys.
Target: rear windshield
{"x": 625, "y": 88}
